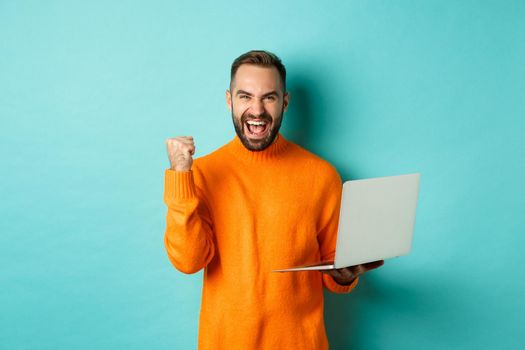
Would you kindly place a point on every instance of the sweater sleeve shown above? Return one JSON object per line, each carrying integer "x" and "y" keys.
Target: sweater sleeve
{"x": 327, "y": 236}
{"x": 188, "y": 236}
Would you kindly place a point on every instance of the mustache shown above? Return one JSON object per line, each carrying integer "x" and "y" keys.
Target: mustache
{"x": 265, "y": 117}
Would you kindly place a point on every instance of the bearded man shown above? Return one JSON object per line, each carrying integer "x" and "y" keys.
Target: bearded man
{"x": 256, "y": 204}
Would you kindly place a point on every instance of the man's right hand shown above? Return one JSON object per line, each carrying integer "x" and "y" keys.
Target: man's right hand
{"x": 180, "y": 151}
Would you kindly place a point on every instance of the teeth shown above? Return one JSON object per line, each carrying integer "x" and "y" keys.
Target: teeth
{"x": 253, "y": 122}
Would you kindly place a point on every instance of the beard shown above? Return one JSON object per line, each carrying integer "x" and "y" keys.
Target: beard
{"x": 259, "y": 145}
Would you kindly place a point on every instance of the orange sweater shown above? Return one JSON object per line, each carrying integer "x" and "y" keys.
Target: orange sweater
{"x": 240, "y": 214}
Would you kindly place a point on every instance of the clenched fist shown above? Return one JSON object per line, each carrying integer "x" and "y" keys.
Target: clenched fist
{"x": 180, "y": 149}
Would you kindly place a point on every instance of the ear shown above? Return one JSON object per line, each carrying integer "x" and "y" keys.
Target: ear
{"x": 286, "y": 100}
{"x": 229, "y": 100}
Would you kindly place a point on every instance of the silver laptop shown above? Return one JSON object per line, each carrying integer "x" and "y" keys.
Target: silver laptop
{"x": 376, "y": 221}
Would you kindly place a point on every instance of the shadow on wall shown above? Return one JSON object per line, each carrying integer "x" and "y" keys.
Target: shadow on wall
{"x": 297, "y": 123}
{"x": 377, "y": 307}
{"x": 311, "y": 110}
{"x": 305, "y": 106}
{"x": 370, "y": 315}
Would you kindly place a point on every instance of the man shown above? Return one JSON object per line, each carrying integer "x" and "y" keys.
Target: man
{"x": 256, "y": 204}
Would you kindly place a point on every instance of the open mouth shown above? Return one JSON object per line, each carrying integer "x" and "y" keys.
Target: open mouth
{"x": 256, "y": 128}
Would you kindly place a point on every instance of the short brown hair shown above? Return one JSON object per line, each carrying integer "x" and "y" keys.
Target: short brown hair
{"x": 260, "y": 58}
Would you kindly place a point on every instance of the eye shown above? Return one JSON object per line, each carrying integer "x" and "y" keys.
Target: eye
{"x": 270, "y": 98}
{"x": 244, "y": 97}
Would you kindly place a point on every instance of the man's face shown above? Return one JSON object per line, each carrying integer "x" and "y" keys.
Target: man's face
{"x": 257, "y": 102}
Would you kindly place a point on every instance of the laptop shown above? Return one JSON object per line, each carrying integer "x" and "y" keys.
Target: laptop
{"x": 376, "y": 221}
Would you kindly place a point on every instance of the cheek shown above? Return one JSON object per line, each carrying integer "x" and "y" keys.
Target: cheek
{"x": 276, "y": 110}
{"x": 240, "y": 111}
{"x": 237, "y": 116}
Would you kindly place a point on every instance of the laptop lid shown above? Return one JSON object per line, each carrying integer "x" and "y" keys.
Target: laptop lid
{"x": 377, "y": 219}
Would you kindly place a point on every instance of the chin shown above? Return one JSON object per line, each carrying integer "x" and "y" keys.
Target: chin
{"x": 260, "y": 144}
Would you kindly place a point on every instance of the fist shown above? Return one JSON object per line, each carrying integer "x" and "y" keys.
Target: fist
{"x": 180, "y": 151}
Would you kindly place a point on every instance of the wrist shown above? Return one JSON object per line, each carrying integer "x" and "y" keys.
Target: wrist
{"x": 344, "y": 282}
{"x": 180, "y": 168}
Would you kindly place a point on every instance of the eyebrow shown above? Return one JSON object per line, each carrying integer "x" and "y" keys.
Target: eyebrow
{"x": 242, "y": 92}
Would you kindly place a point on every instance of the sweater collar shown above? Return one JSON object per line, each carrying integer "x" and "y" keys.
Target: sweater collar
{"x": 271, "y": 152}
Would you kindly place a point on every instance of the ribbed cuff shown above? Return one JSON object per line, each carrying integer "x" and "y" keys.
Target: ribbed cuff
{"x": 178, "y": 184}
{"x": 336, "y": 287}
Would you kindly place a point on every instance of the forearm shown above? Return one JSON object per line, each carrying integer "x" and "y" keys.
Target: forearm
{"x": 188, "y": 236}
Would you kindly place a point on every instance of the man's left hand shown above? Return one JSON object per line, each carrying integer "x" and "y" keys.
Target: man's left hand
{"x": 347, "y": 275}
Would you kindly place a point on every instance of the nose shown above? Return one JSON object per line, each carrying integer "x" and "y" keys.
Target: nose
{"x": 257, "y": 107}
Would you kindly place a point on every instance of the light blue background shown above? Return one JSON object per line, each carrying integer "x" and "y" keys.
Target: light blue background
{"x": 90, "y": 90}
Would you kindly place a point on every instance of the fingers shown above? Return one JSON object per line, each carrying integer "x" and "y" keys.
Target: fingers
{"x": 188, "y": 140}
{"x": 358, "y": 270}
{"x": 180, "y": 151}
{"x": 184, "y": 144}
{"x": 348, "y": 273}
{"x": 187, "y": 149}
{"x": 333, "y": 272}
{"x": 373, "y": 265}
{"x": 351, "y": 272}
{"x": 344, "y": 273}
{"x": 185, "y": 139}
